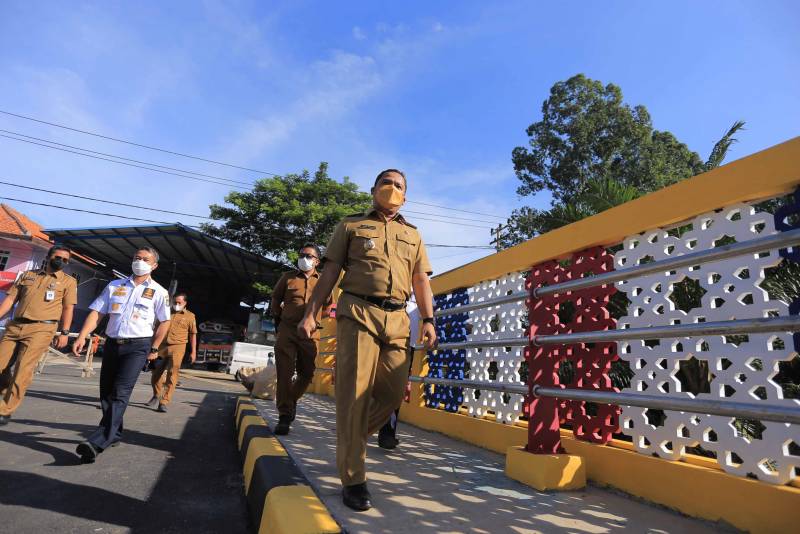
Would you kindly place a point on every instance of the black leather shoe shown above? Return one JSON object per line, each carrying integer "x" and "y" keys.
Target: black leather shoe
{"x": 4, "y": 419}
{"x": 152, "y": 403}
{"x": 387, "y": 441}
{"x": 87, "y": 452}
{"x": 162, "y": 408}
{"x": 357, "y": 497}
{"x": 282, "y": 428}
{"x": 294, "y": 412}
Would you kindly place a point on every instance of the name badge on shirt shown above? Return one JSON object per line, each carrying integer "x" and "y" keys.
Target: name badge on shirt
{"x": 49, "y": 296}
{"x": 148, "y": 293}
{"x": 115, "y": 306}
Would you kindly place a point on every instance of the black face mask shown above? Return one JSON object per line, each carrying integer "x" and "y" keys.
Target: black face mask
{"x": 57, "y": 263}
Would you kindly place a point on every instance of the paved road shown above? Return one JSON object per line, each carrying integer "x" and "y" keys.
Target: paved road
{"x": 435, "y": 484}
{"x": 174, "y": 472}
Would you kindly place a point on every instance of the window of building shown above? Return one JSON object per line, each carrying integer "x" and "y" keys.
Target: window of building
{"x": 5, "y": 255}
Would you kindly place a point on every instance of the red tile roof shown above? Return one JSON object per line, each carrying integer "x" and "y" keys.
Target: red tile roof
{"x": 15, "y": 223}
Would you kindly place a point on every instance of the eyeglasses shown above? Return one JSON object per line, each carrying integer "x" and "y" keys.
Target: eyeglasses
{"x": 309, "y": 256}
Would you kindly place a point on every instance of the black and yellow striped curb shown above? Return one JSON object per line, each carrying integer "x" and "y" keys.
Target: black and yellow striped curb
{"x": 280, "y": 499}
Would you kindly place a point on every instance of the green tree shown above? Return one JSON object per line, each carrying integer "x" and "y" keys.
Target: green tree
{"x": 283, "y": 213}
{"x": 592, "y": 151}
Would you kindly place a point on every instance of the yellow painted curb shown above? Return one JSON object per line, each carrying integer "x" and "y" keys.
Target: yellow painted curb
{"x": 244, "y": 406}
{"x": 546, "y": 471}
{"x": 295, "y": 510}
{"x": 259, "y": 447}
{"x": 248, "y": 420}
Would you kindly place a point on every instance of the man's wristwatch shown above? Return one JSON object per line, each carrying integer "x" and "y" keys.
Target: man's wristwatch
{"x": 64, "y": 332}
{"x": 429, "y": 320}
{"x": 153, "y": 350}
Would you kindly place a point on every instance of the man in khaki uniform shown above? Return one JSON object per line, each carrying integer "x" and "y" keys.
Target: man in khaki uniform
{"x": 384, "y": 259}
{"x": 43, "y": 298}
{"x": 289, "y": 299}
{"x": 182, "y": 330}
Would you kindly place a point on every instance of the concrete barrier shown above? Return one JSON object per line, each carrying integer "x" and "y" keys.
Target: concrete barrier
{"x": 279, "y": 497}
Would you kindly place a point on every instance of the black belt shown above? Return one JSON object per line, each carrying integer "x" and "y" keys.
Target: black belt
{"x": 126, "y": 340}
{"x": 23, "y": 320}
{"x": 382, "y": 303}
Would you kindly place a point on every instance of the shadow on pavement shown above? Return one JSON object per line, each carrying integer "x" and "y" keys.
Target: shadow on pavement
{"x": 188, "y": 484}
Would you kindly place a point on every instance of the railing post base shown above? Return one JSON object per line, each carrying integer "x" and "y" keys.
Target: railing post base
{"x": 546, "y": 472}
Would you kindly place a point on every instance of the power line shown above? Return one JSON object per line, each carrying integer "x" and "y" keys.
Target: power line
{"x": 448, "y": 216}
{"x": 136, "y": 144}
{"x": 87, "y": 211}
{"x": 432, "y": 245}
{"x": 123, "y": 163}
{"x": 448, "y": 222}
{"x": 455, "y": 209}
{"x": 183, "y": 172}
{"x": 105, "y": 201}
{"x": 486, "y": 247}
{"x": 127, "y": 159}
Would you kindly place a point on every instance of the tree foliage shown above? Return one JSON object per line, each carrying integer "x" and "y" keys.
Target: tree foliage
{"x": 592, "y": 151}
{"x": 283, "y": 213}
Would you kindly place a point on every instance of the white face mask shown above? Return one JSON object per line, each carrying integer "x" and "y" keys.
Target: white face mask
{"x": 141, "y": 267}
{"x": 177, "y": 307}
{"x": 305, "y": 264}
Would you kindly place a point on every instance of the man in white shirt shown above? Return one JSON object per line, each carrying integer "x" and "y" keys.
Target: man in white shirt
{"x": 133, "y": 305}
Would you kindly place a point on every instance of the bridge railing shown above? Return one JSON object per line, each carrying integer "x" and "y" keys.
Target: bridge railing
{"x": 666, "y": 326}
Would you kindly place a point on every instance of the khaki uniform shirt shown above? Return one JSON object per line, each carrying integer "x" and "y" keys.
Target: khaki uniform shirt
{"x": 378, "y": 256}
{"x": 181, "y": 325}
{"x": 293, "y": 291}
{"x": 41, "y": 296}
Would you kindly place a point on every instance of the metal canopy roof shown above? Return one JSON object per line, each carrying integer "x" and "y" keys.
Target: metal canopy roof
{"x": 188, "y": 255}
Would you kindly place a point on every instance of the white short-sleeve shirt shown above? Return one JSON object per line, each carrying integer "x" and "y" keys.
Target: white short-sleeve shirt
{"x": 132, "y": 310}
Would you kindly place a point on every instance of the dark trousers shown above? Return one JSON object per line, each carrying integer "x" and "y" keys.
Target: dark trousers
{"x": 121, "y": 367}
{"x": 293, "y": 354}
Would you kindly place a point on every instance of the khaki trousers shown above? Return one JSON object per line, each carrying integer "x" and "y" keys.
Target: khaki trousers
{"x": 293, "y": 354}
{"x": 371, "y": 373}
{"x": 29, "y": 341}
{"x": 168, "y": 371}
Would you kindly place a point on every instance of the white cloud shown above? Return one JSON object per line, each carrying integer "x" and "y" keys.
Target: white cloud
{"x": 359, "y": 34}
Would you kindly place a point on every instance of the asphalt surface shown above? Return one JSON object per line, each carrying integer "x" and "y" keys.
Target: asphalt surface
{"x": 173, "y": 472}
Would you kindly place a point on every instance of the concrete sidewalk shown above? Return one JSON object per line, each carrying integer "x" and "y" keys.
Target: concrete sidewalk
{"x": 432, "y": 483}
{"x": 175, "y": 472}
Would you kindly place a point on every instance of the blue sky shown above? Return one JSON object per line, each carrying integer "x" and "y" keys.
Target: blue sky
{"x": 443, "y": 90}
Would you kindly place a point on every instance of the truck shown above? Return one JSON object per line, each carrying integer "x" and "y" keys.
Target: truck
{"x": 215, "y": 343}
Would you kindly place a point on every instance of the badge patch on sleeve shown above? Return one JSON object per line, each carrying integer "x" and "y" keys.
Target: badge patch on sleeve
{"x": 148, "y": 293}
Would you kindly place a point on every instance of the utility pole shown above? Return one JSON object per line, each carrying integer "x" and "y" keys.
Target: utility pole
{"x": 497, "y": 232}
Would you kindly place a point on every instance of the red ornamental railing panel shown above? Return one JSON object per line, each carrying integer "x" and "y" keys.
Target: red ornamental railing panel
{"x": 591, "y": 362}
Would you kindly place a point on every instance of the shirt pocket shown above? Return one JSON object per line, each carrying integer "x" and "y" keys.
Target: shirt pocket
{"x": 116, "y": 303}
{"x": 406, "y": 247}
{"x": 366, "y": 244}
{"x": 143, "y": 311}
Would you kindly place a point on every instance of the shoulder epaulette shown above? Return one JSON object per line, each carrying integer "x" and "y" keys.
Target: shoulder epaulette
{"x": 409, "y": 224}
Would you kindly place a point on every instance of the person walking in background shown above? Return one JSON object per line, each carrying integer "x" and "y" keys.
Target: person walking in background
{"x": 43, "y": 299}
{"x": 133, "y": 305}
{"x": 387, "y": 435}
{"x": 292, "y": 352}
{"x": 384, "y": 259}
{"x": 182, "y": 330}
